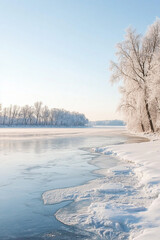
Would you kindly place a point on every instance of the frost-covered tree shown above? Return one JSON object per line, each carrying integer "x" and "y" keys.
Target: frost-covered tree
{"x": 25, "y": 114}
{"x": 45, "y": 115}
{"x": 4, "y": 116}
{"x": 13, "y": 113}
{"x": 39, "y": 115}
{"x": 138, "y": 69}
{"x": 37, "y": 111}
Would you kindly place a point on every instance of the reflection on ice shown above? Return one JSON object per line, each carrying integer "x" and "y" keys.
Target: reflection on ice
{"x": 33, "y": 161}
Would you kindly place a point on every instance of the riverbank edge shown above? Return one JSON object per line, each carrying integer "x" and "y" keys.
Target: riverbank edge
{"x": 48, "y": 196}
{"x": 146, "y": 157}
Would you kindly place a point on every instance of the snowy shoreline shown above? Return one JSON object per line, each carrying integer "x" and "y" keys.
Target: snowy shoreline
{"x": 146, "y": 157}
{"x": 125, "y": 202}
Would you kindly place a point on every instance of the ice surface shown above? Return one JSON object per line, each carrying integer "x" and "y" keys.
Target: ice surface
{"x": 108, "y": 206}
{"x": 36, "y": 160}
{"x": 124, "y": 203}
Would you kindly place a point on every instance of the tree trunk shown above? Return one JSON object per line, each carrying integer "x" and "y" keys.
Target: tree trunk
{"x": 142, "y": 126}
{"x": 149, "y": 116}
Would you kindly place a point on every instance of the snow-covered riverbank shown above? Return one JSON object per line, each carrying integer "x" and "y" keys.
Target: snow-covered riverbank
{"x": 146, "y": 157}
{"x": 125, "y": 202}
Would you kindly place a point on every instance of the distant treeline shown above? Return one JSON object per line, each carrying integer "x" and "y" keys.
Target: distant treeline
{"x": 39, "y": 115}
{"x": 108, "y": 123}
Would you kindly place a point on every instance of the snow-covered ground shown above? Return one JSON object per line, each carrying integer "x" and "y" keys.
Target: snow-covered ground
{"x": 146, "y": 157}
{"x": 125, "y": 202}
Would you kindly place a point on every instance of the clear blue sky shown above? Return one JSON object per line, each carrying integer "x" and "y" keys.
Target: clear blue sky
{"x": 58, "y": 51}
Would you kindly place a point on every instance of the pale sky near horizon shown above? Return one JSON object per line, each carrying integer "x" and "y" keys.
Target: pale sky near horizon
{"x": 58, "y": 51}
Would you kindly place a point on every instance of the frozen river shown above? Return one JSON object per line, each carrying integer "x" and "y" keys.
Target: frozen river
{"x": 33, "y": 161}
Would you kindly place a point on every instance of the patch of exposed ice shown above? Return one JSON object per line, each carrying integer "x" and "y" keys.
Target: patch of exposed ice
{"x": 125, "y": 203}
{"x": 108, "y": 206}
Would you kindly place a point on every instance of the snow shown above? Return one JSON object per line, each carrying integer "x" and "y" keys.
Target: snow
{"x": 124, "y": 203}
{"x": 146, "y": 157}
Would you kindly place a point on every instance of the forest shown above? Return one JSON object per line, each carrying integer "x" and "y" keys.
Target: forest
{"x": 39, "y": 115}
{"x": 138, "y": 71}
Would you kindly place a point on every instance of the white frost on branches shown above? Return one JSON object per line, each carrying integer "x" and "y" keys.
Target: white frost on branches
{"x": 39, "y": 115}
{"x": 138, "y": 67}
